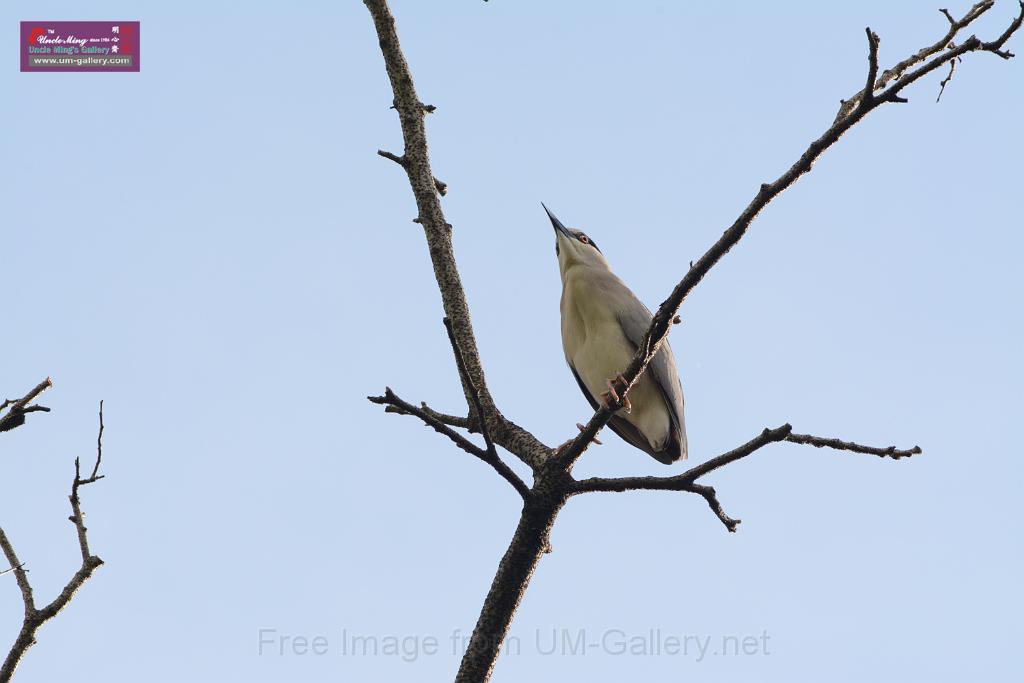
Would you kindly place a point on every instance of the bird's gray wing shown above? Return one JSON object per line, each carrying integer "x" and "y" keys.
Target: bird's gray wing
{"x": 625, "y": 429}
{"x": 634, "y": 319}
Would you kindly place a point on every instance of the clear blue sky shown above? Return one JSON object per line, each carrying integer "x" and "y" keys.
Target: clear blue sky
{"x": 213, "y": 247}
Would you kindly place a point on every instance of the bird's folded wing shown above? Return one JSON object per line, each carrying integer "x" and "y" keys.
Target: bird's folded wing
{"x": 634, "y": 321}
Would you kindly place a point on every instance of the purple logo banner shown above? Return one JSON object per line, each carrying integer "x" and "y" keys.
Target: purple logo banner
{"x": 79, "y": 46}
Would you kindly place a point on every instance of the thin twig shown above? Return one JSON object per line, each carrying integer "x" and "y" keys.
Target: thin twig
{"x": 442, "y": 188}
{"x": 394, "y": 157}
{"x": 897, "y": 71}
{"x": 709, "y": 495}
{"x": 474, "y": 394}
{"x": 450, "y": 420}
{"x": 872, "y": 67}
{"x": 394, "y": 404}
{"x": 947, "y": 79}
{"x": 397, "y": 405}
{"x": 99, "y": 446}
{"x": 822, "y": 442}
{"x": 12, "y": 569}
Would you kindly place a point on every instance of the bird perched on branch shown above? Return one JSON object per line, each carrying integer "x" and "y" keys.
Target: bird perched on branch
{"x": 603, "y": 323}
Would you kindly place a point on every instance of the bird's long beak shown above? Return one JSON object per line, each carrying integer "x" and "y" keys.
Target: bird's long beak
{"x": 557, "y": 223}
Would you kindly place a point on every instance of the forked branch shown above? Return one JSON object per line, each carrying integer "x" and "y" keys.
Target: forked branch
{"x": 35, "y": 617}
{"x": 687, "y": 480}
{"x": 434, "y": 420}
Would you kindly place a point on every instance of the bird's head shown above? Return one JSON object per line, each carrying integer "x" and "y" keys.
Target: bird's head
{"x": 574, "y": 247}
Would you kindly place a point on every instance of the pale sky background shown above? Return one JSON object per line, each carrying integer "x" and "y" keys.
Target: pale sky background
{"x": 213, "y": 247}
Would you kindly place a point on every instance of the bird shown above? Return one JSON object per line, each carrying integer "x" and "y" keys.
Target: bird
{"x": 603, "y": 323}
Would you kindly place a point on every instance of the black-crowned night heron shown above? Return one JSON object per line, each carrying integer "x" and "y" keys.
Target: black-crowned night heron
{"x": 602, "y": 324}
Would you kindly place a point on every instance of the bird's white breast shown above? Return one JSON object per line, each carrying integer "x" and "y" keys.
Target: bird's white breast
{"x": 597, "y": 348}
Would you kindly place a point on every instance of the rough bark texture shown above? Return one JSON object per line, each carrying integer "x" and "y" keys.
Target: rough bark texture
{"x": 529, "y": 543}
{"x": 552, "y": 468}
{"x": 437, "y": 230}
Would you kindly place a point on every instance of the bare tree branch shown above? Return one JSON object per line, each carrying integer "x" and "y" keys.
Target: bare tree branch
{"x": 947, "y": 79}
{"x": 709, "y": 495}
{"x": 474, "y": 395}
{"x": 34, "y": 618}
{"x": 872, "y": 64}
{"x": 17, "y": 408}
{"x": 679, "y": 482}
{"x": 394, "y": 404}
{"x": 897, "y": 71}
{"x": 411, "y": 112}
{"x": 421, "y": 178}
{"x": 820, "y": 442}
{"x": 450, "y": 420}
{"x": 490, "y": 456}
{"x": 686, "y": 480}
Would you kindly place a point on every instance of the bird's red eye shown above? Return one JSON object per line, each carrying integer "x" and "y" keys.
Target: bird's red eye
{"x": 584, "y": 239}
